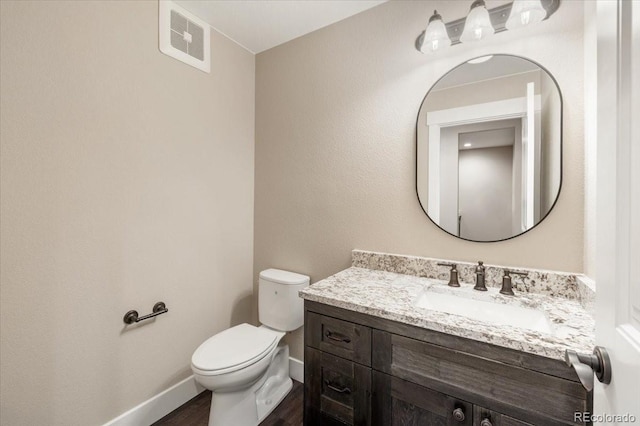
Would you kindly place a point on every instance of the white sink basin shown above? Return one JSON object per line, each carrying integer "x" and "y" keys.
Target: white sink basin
{"x": 491, "y": 312}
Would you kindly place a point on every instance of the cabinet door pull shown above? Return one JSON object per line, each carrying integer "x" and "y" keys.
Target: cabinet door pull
{"x": 486, "y": 422}
{"x": 458, "y": 415}
{"x": 337, "y": 337}
{"x": 337, "y": 389}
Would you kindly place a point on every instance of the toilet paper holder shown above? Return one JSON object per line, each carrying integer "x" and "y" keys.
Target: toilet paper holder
{"x": 132, "y": 317}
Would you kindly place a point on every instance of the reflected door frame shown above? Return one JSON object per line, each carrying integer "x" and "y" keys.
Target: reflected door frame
{"x": 517, "y": 108}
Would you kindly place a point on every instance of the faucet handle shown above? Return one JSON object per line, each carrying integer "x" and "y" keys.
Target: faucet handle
{"x": 453, "y": 277}
{"x": 507, "y": 287}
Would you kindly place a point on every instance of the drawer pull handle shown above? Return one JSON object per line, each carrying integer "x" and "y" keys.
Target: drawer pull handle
{"x": 458, "y": 415}
{"x": 337, "y": 389}
{"x": 337, "y": 337}
{"x": 486, "y": 422}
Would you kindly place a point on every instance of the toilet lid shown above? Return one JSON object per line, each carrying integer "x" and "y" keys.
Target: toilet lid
{"x": 233, "y": 347}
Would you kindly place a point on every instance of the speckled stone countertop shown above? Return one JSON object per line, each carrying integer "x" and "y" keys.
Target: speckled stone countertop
{"x": 393, "y": 296}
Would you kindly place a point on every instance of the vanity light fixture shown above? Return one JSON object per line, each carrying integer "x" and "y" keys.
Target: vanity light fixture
{"x": 435, "y": 36}
{"x": 525, "y": 12}
{"x": 467, "y": 145}
{"x": 508, "y": 16}
{"x": 478, "y": 23}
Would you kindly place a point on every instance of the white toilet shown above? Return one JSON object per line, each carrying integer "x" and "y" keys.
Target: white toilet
{"x": 245, "y": 366}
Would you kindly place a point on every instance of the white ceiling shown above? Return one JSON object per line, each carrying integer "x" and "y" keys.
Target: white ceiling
{"x": 258, "y": 25}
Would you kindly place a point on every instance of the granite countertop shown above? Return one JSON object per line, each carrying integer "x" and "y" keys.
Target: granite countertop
{"x": 392, "y": 296}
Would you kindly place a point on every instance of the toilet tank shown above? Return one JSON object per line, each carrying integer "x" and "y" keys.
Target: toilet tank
{"x": 279, "y": 306}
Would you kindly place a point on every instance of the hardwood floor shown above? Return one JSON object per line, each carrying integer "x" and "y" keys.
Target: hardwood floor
{"x": 196, "y": 411}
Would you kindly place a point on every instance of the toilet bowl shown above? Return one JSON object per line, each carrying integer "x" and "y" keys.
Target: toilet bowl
{"x": 246, "y": 367}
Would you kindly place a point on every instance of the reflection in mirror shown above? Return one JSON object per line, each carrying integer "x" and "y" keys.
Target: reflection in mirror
{"x": 489, "y": 147}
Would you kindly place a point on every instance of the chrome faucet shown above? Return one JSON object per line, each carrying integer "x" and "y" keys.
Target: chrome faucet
{"x": 480, "y": 274}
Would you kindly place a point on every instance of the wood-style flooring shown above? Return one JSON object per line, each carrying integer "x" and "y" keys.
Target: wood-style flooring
{"x": 196, "y": 411}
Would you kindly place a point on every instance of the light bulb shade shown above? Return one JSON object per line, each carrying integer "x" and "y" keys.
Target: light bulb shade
{"x": 478, "y": 23}
{"x": 435, "y": 36}
{"x": 525, "y": 12}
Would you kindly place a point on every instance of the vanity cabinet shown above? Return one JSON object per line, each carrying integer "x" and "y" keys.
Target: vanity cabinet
{"x": 365, "y": 370}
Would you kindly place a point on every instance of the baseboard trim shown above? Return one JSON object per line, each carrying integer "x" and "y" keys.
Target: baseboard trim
{"x": 160, "y": 405}
{"x": 296, "y": 369}
{"x": 168, "y": 400}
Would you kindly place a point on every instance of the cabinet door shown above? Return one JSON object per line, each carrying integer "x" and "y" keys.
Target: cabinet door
{"x": 337, "y": 391}
{"x": 399, "y": 402}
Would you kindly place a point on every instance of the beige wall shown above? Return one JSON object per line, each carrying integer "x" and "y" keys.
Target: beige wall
{"x": 335, "y": 143}
{"x": 127, "y": 178}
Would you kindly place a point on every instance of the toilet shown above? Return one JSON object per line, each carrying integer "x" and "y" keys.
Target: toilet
{"x": 246, "y": 367}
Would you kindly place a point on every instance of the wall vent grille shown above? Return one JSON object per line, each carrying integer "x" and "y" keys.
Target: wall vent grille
{"x": 184, "y": 36}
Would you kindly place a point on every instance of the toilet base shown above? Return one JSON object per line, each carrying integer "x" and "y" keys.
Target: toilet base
{"x": 250, "y": 406}
{"x": 267, "y": 401}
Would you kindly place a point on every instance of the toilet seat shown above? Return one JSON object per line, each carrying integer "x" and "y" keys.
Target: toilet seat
{"x": 234, "y": 349}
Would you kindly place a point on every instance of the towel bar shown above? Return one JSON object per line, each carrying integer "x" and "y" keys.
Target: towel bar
{"x": 132, "y": 316}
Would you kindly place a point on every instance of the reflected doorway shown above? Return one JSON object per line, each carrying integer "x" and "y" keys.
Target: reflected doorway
{"x": 486, "y": 184}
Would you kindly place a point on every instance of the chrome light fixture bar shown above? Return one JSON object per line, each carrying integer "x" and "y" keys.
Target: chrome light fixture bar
{"x": 498, "y": 15}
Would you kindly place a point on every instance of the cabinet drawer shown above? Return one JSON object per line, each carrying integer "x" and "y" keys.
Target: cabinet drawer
{"x": 338, "y": 337}
{"x": 335, "y": 388}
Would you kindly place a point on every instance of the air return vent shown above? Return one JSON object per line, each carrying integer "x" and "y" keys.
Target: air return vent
{"x": 184, "y": 36}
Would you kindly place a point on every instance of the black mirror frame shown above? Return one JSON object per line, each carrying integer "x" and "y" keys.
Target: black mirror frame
{"x": 555, "y": 202}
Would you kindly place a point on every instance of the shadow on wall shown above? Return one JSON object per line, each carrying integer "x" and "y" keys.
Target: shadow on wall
{"x": 177, "y": 377}
{"x": 242, "y": 310}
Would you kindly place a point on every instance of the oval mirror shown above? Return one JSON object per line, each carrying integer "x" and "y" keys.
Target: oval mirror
{"x": 489, "y": 148}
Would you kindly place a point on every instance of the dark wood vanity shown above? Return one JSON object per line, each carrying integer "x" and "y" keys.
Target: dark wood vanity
{"x": 364, "y": 370}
